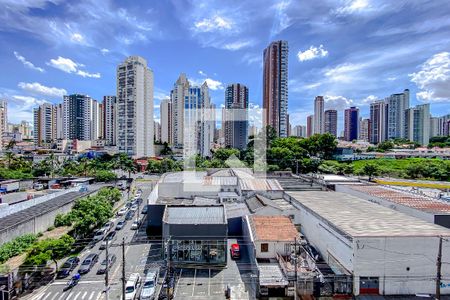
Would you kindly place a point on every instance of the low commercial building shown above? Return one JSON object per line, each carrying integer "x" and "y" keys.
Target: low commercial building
{"x": 416, "y": 205}
{"x": 387, "y": 252}
{"x": 196, "y": 234}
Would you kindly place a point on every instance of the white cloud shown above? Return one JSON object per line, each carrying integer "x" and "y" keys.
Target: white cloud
{"x": 27, "y": 63}
{"x": 104, "y": 51}
{"x": 237, "y": 45}
{"x": 281, "y": 19}
{"x": 69, "y": 66}
{"x": 214, "y": 84}
{"x": 392, "y": 78}
{"x": 252, "y": 58}
{"x": 38, "y": 88}
{"x": 354, "y": 6}
{"x": 202, "y": 73}
{"x": 77, "y": 38}
{"x": 343, "y": 72}
{"x": 337, "y": 102}
{"x": 366, "y": 101}
{"x": 216, "y": 23}
{"x": 434, "y": 79}
{"x": 312, "y": 53}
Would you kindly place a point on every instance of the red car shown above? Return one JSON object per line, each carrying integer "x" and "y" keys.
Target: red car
{"x": 234, "y": 250}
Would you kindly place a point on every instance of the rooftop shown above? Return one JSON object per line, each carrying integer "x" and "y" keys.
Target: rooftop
{"x": 271, "y": 274}
{"x": 419, "y": 202}
{"x": 355, "y": 217}
{"x": 257, "y": 184}
{"x": 273, "y": 228}
{"x": 195, "y": 215}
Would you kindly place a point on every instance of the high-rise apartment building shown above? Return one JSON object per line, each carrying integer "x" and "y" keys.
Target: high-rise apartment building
{"x": 109, "y": 119}
{"x": 396, "y": 106}
{"x": 309, "y": 125}
{"x": 319, "y": 122}
{"x": 364, "y": 130}
{"x": 434, "y": 126}
{"x": 44, "y": 124}
{"x": 330, "y": 122}
{"x": 378, "y": 122}
{"x": 299, "y": 131}
{"x": 135, "y": 108}
{"x": 444, "y": 125}
{"x": 351, "y": 123}
{"x": 166, "y": 121}
{"x": 79, "y": 117}
{"x": 275, "y": 87}
{"x": 95, "y": 119}
{"x": 157, "y": 131}
{"x": 236, "y": 116}
{"x": 59, "y": 120}
{"x": 417, "y": 126}
{"x": 178, "y": 95}
{"x": 3, "y": 119}
{"x": 25, "y": 130}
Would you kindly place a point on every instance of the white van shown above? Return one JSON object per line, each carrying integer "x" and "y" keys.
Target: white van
{"x": 149, "y": 286}
{"x": 132, "y": 286}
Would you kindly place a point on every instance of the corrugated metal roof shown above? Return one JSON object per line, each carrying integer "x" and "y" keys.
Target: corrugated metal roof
{"x": 195, "y": 215}
{"x": 257, "y": 184}
{"x": 270, "y": 274}
{"x": 357, "y": 217}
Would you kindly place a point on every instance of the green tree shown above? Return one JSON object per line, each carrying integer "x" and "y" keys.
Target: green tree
{"x": 370, "y": 170}
{"x": 224, "y": 153}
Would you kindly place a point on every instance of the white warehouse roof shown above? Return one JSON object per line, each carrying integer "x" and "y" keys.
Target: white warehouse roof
{"x": 355, "y": 217}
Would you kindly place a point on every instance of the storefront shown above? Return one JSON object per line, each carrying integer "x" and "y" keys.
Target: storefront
{"x": 196, "y": 234}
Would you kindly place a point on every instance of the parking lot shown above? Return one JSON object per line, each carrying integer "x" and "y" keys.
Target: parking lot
{"x": 212, "y": 283}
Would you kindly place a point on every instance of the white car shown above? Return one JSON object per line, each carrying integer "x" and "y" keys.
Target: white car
{"x": 149, "y": 285}
{"x": 134, "y": 207}
{"x": 122, "y": 211}
{"x": 100, "y": 234}
{"x": 132, "y": 286}
{"x": 135, "y": 225}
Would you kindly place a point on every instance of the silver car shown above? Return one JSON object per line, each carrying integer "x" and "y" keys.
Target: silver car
{"x": 149, "y": 287}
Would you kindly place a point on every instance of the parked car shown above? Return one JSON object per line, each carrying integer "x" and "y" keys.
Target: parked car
{"x": 109, "y": 237}
{"x": 102, "y": 269}
{"x": 132, "y": 286}
{"x": 235, "y": 251}
{"x": 135, "y": 225}
{"x": 99, "y": 235}
{"x": 144, "y": 210}
{"x": 149, "y": 286}
{"x": 70, "y": 264}
{"x": 128, "y": 204}
{"x": 134, "y": 207}
{"x": 88, "y": 263}
{"x": 120, "y": 225}
{"x": 38, "y": 186}
{"x": 122, "y": 211}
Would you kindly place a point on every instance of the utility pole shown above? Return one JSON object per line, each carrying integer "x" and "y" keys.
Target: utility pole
{"x": 438, "y": 270}
{"x": 123, "y": 269}
{"x": 107, "y": 273}
{"x": 295, "y": 269}
{"x": 168, "y": 275}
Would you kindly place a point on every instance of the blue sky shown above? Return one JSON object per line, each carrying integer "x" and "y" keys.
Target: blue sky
{"x": 352, "y": 52}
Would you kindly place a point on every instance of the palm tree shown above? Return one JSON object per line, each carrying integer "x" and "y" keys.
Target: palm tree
{"x": 9, "y": 157}
{"x": 12, "y": 143}
{"x": 53, "y": 162}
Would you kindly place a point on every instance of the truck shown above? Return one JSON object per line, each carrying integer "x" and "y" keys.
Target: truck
{"x": 10, "y": 185}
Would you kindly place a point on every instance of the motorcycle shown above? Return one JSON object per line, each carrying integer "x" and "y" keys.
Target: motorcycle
{"x": 70, "y": 284}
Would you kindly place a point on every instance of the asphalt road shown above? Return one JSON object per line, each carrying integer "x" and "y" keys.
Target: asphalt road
{"x": 138, "y": 259}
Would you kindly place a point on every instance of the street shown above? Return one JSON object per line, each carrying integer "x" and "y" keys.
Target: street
{"x": 138, "y": 259}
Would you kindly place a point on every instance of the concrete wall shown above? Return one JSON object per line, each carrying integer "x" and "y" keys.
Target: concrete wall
{"x": 282, "y": 248}
{"x": 404, "y": 265}
{"x": 34, "y": 225}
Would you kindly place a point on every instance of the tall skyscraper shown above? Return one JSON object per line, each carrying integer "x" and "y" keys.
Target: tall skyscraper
{"x": 309, "y": 125}
{"x": 364, "y": 130}
{"x": 319, "y": 122}
{"x": 236, "y": 116}
{"x": 3, "y": 118}
{"x": 434, "y": 126}
{"x": 331, "y": 122}
{"x": 79, "y": 121}
{"x": 26, "y": 130}
{"x": 378, "y": 122}
{"x": 109, "y": 119}
{"x": 417, "y": 127}
{"x": 299, "y": 131}
{"x": 396, "y": 106}
{"x": 157, "y": 131}
{"x": 275, "y": 87}
{"x": 135, "y": 108}
{"x": 444, "y": 125}
{"x": 44, "y": 124}
{"x": 59, "y": 120}
{"x": 95, "y": 120}
{"x": 178, "y": 94}
{"x": 351, "y": 123}
{"x": 166, "y": 121}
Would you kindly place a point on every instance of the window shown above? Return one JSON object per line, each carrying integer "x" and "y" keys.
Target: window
{"x": 264, "y": 247}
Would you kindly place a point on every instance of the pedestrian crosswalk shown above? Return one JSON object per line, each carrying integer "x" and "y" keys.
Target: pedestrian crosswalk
{"x": 70, "y": 295}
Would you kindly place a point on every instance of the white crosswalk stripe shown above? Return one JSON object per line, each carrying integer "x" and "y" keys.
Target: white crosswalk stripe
{"x": 76, "y": 296}
{"x": 55, "y": 297}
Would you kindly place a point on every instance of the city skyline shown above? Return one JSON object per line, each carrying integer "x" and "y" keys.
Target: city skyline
{"x": 320, "y": 64}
